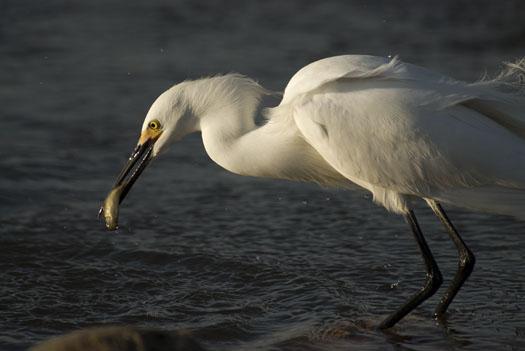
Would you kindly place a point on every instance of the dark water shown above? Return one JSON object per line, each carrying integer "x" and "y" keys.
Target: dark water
{"x": 244, "y": 264}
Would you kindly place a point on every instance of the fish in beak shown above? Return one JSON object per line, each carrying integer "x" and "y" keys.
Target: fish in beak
{"x": 137, "y": 162}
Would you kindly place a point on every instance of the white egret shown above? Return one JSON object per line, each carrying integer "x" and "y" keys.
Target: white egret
{"x": 398, "y": 130}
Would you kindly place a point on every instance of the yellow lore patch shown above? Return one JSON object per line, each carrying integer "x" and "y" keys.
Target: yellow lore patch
{"x": 149, "y": 134}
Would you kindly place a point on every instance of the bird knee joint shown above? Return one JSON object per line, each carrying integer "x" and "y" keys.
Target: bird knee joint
{"x": 434, "y": 281}
{"x": 467, "y": 260}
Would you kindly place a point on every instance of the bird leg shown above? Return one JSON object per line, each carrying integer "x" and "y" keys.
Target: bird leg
{"x": 465, "y": 264}
{"x": 433, "y": 277}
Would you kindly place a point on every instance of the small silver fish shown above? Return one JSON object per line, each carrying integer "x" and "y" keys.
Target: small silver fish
{"x": 111, "y": 206}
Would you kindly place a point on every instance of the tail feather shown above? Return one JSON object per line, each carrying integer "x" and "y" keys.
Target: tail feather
{"x": 499, "y": 200}
{"x": 502, "y": 98}
{"x": 509, "y": 115}
{"x": 511, "y": 79}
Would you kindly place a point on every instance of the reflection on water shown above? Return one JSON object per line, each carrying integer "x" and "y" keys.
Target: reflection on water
{"x": 244, "y": 264}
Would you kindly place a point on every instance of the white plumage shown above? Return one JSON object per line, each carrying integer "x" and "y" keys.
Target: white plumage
{"x": 400, "y": 131}
{"x": 395, "y": 129}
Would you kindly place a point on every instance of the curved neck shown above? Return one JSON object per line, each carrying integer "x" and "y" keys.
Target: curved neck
{"x": 233, "y": 140}
{"x": 225, "y": 109}
{"x": 274, "y": 150}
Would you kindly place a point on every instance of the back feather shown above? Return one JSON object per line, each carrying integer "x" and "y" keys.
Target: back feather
{"x": 500, "y": 99}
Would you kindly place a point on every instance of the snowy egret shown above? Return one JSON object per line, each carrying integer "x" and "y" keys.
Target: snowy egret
{"x": 400, "y": 131}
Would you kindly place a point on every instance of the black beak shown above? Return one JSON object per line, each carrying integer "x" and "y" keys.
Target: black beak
{"x": 137, "y": 162}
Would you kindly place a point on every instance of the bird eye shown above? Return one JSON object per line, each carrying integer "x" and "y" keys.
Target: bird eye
{"x": 154, "y": 124}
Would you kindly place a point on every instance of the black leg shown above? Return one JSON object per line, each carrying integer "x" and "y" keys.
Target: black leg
{"x": 465, "y": 264}
{"x": 432, "y": 282}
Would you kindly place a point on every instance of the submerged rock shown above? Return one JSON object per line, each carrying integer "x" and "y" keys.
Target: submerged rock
{"x": 120, "y": 338}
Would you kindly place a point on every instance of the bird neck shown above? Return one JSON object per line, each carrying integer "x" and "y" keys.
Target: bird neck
{"x": 273, "y": 150}
{"x": 233, "y": 140}
{"x": 251, "y": 152}
{"x": 226, "y": 118}
{"x": 225, "y": 108}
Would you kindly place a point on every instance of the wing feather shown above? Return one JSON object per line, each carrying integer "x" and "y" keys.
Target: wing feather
{"x": 402, "y": 131}
{"x": 400, "y": 139}
{"x": 502, "y": 99}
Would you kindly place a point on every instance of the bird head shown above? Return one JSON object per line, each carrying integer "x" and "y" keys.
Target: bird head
{"x": 181, "y": 110}
{"x": 168, "y": 120}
